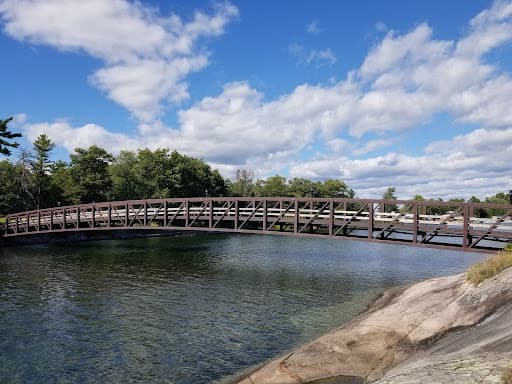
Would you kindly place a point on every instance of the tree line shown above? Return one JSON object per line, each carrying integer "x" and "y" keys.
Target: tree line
{"x": 94, "y": 175}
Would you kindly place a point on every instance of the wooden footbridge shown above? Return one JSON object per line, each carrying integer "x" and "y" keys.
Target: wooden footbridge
{"x": 418, "y": 223}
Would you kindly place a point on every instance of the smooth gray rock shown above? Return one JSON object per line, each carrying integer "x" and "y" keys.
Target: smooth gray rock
{"x": 401, "y": 323}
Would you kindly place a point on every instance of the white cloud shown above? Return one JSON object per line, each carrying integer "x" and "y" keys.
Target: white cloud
{"x": 381, "y": 26}
{"x": 404, "y": 81}
{"x": 146, "y": 57}
{"x": 338, "y": 145}
{"x": 318, "y": 57}
{"x": 373, "y": 145}
{"x": 64, "y": 134}
{"x": 19, "y": 119}
{"x": 313, "y": 27}
{"x": 477, "y": 163}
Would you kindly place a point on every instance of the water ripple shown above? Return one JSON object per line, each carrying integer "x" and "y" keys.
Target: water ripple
{"x": 185, "y": 310}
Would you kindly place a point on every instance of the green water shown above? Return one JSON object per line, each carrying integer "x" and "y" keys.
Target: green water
{"x": 186, "y": 309}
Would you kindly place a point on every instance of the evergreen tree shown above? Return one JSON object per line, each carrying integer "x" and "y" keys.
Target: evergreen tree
{"x": 6, "y": 136}
{"x": 41, "y": 167}
{"x": 390, "y": 195}
{"x": 25, "y": 180}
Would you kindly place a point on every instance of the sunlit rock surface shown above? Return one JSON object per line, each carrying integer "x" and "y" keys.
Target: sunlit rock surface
{"x": 438, "y": 331}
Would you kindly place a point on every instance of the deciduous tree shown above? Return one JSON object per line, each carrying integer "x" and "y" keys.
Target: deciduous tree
{"x": 89, "y": 168}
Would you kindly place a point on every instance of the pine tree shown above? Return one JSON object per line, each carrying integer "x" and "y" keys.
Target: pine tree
{"x": 6, "y": 136}
{"x": 41, "y": 167}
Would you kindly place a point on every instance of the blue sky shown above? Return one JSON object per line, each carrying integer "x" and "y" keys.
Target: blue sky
{"x": 413, "y": 95}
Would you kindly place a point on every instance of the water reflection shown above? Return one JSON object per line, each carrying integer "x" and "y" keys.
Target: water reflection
{"x": 188, "y": 309}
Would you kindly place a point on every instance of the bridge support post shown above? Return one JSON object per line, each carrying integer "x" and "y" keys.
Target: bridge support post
{"x": 93, "y": 216}
{"x": 38, "y": 221}
{"x": 51, "y": 220}
{"x": 264, "y": 214}
{"x": 109, "y": 218}
{"x": 465, "y": 229}
{"x": 370, "y": 220}
{"x": 210, "y": 214}
{"x": 165, "y": 213}
{"x": 331, "y": 217}
{"x": 415, "y": 223}
{"x": 236, "y": 215}
{"x": 126, "y": 215}
{"x": 187, "y": 217}
{"x": 296, "y": 217}
{"x": 145, "y": 213}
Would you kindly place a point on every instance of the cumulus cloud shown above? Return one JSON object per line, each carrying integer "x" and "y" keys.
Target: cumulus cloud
{"x": 373, "y": 145}
{"x": 146, "y": 56}
{"x": 477, "y": 163}
{"x": 71, "y": 137}
{"x": 403, "y": 82}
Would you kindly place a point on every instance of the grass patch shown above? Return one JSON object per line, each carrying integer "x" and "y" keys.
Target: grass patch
{"x": 3, "y": 220}
{"x": 506, "y": 378}
{"x": 490, "y": 267}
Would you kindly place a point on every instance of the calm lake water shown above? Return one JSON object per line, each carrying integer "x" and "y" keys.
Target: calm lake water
{"x": 186, "y": 309}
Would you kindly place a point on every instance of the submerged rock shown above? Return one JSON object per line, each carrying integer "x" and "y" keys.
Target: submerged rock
{"x": 418, "y": 331}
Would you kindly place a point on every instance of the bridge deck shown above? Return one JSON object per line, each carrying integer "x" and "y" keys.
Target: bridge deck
{"x": 368, "y": 220}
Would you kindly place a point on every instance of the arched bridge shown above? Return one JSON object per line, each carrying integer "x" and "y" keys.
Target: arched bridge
{"x": 462, "y": 226}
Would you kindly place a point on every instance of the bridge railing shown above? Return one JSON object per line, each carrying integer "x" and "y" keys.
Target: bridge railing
{"x": 468, "y": 226}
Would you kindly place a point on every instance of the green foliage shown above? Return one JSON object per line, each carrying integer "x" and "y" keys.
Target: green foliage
{"x": 299, "y": 187}
{"x": 127, "y": 183}
{"x": 274, "y": 186}
{"x": 499, "y": 198}
{"x": 64, "y": 190}
{"x": 41, "y": 167}
{"x": 244, "y": 183}
{"x": 335, "y": 188}
{"x": 6, "y": 137}
{"x": 89, "y": 168}
{"x": 390, "y": 195}
{"x": 196, "y": 178}
{"x": 9, "y": 188}
{"x": 490, "y": 267}
{"x": 156, "y": 177}
{"x": 158, "y": 174}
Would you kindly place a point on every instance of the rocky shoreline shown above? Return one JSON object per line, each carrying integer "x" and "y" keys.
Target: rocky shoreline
{"x": 442, "y": 330}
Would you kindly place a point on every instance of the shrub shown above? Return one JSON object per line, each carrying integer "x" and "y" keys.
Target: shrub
{"x": 507, "y": 376}
{"x": 490, "y": 267}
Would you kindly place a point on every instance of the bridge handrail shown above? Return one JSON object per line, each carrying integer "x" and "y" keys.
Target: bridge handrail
{"x": 338, "y": 200}
{"x": 300, "y": 216}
